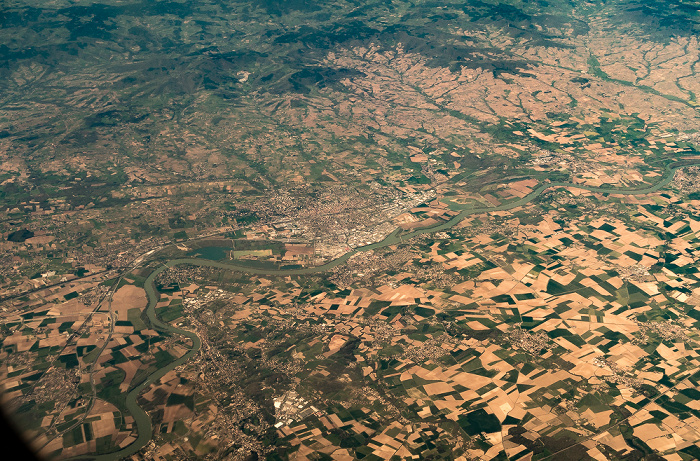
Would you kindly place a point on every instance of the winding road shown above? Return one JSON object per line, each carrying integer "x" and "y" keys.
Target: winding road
{"x": 141, "y": 419}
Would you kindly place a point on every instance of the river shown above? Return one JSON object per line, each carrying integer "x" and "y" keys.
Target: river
{"x": 141, "y": 419}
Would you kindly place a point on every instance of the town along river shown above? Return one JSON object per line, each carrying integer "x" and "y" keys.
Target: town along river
{"x": 141, "y": 419}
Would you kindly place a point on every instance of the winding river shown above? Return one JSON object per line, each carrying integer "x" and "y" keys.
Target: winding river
{"x": 141, "y": 419}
